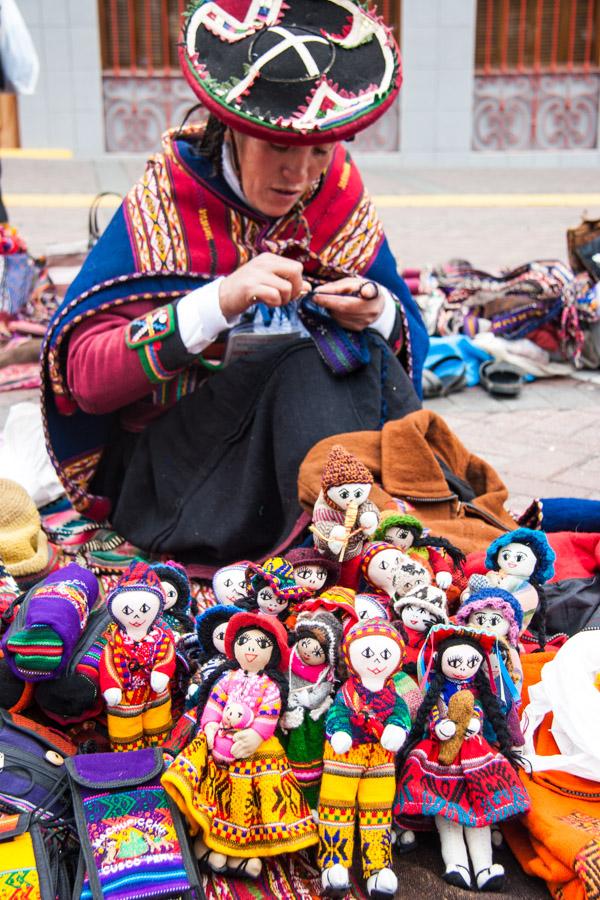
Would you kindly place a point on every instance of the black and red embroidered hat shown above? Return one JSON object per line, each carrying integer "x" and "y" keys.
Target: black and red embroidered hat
{"x": 301, "y": 72}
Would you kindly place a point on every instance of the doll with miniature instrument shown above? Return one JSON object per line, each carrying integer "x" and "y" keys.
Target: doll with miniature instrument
{"x": 450, "y": 772}
{"x": 366, "y": 726}
{"x": 406, "y": 533}
{"x": 343, "y": 515}
{"x": 418, "y": 611}
{"x": 251, "y": 806}
{"x": 137, "y": 662}
{"x": 312, "y": 672}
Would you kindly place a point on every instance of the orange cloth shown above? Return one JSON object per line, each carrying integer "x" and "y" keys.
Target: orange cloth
{"x": 559, "y": 839}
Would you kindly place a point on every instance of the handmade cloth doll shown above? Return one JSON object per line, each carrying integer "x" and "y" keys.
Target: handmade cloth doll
{"x": 211, "y": 626}
{"x": 312, "y": 674}
{"x": 370, "y": 606}
{"x": 178, "y": 598}
{"x": 229, "y": 583}
{"x": 406, "y": 533}
{"x": 450, "y": 771}
{"x": 236, "y": 716}
{"x": 343, "y": 515}
{"x": 366, "y": 725}
{"x": 271, "y": 588}
{"x": 252, "y": 807}
{"x": 520, "y": 562}
{"x": 500, "y": 612}
{"x": 409, "y": 575}
{"x": 379, "y": 563}
{"x": 337, "y": 600}
{"x": 137, "y": 662}
{"x": 312, "y": 571}
{"x": 418, "y": 612}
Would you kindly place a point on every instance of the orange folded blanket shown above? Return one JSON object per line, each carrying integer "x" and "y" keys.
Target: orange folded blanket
{"x": 559, "y": 839}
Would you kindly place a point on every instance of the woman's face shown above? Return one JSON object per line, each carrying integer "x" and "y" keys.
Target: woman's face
{"x": 218, "y": 638}
{"x": 275, "y": 176}
{"x": 170, "y": 594}
{"x": 253, "y": 650}
{"x": 417, "y": 618}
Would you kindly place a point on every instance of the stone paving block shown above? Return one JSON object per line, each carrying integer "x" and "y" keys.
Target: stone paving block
{"x": 585, "y": 476}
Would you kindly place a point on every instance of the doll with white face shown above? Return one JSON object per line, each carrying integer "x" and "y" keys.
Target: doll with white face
{"x": 312, "y": 674}
{"x": 379, "y": 565}
{"x": 419, "y": 610}
{"x": 229, "y": 584}
{"x": 137, "y": 662}
{"x": 312, "y": 571}
{"x": 272, "y": 588}
{"x": 447, "y": 742}
{"x": 407, "y": 533}
{"x": 241, "y": 704}
{"x": 369, "y": 606}
{"x": 343, "y": 516}
{"x": 366, "y": 726}
{"x": 178, "y": 598}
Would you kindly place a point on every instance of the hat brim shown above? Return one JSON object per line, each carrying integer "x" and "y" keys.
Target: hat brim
{"x": 34, "y": 564}
{"x": 269, "y": 624}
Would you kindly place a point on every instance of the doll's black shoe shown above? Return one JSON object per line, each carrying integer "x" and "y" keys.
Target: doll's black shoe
{"x": 404, "y": 841}
{"x": 490, "y": 878}
{"x": 382, "y": 885}
{"x": 458, "y": 876}
{"x": 335, "y": 881}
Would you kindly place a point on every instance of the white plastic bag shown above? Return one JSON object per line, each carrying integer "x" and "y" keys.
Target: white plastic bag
{"x": 23, "y": 454}
{"x": 18, "y": 56}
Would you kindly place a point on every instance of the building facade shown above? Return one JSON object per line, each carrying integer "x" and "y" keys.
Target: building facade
{"x": 486, "y": 82}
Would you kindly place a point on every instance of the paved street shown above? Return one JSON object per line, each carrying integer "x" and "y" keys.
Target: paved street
{"x": 546, "y": 442}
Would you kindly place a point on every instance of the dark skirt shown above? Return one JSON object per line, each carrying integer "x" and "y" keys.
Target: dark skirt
{"x": 215, "y": 478}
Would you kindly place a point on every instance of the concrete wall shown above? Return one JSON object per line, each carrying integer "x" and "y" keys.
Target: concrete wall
{"x": 66, "y": 110}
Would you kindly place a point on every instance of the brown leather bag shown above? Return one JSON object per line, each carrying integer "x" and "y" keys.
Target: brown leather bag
{"x": 583, "y": 243}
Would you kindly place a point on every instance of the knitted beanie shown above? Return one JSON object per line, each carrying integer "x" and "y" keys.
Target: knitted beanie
{"x": 343, "y": 468}
{"x": 139, "y": 576}
{"x": 23, "y": 544}
{"x": 55, "y": 613}
{"x": 536, "y": 540}
{"x": 176, "y": 575}
{"x": 308, "y": 556}
{"x": 392, "y": 519}
{"x": 324, "y": 628}
{"x": 430, "y": 598}
{"x": 369, "y": 553}
{"x": 494, "y": 598}
{"x": 210, "y": 619}
{"x": 372, "y": 628}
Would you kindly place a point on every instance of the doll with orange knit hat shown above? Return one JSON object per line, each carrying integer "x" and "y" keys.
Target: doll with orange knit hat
{"x": 379, "y": 564}
{"x": 137, "y": 662}
{"x": 343, "y": 515}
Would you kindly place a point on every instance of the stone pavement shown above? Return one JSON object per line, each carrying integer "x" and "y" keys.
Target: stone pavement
{"x": 546, "y": 442}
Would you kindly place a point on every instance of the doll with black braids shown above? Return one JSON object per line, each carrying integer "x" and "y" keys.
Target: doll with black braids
{"x": 235, "y": 770}
{"x": 449, "y": 770}
{"x": 407, "y": 534}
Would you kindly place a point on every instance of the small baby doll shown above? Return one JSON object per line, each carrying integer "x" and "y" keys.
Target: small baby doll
{"x": 520, "y": 562}
{"x": 312, "y": 674}
{"x": 229, "y": 583}
{"x": 271, "y": 588}
{"x": 419, "y": 611}
{"x": 379, "y": 563}
{"x": 343, "y": 515}
{"x": 236, "y": 716}
{"x": 405, "y": 532}
{"x": 366, "y": 725}
{"x": 446, "y": 747}
{"x": 137, "y": 662}
{"x": 178, "y": 598}
{"x": 312, "y": 571}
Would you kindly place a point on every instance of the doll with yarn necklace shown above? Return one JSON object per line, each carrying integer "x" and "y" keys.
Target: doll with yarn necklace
{"x": 137, "y": 662}
{"x": 446, "y": 747}
{"x": 312, "y": 672}
{"x": 418, "y": 611}
{"x": 271, "y": 588}
{"x": 365, "y": 727}
{"x": 252, "y": 807}
{"x": 343, "y": 515}
{"x": 406, "y": 533}
{"x": 520, "y": 562}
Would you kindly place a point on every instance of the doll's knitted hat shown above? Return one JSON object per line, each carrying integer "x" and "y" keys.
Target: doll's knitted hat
{"x": 343, "y": 468}
{"x": 139, "y": 576}
{"x": 269, "y": 624}
{"x": 536, "y": 540}
{"x": 278, "y": 574}
{"x": 494, "y": 598}
{"x": 324, "y": 627}
{"x": 430, "y": 598}
{"x": 337, "y": 600}
{"x": 371, "y": 550}
{"x": 176, "y": 575}
{"x": 308, "y": 556}
{"x": 372, "y": 628}
{"x": 23, "y": 544}
{"x": 210, "y": 619}
{"x": 392, "y": 519}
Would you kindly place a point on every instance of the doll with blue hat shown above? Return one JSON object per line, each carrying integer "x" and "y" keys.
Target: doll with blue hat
{"x": 178, "y": 597}
{"x": 211, "y": 626}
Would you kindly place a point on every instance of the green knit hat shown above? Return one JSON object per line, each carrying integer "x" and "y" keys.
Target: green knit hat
{"x": 397, "y": 520}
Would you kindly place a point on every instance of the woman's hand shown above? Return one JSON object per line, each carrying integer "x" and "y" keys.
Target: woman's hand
{"x": 245, "y": 743}
{"x": 272, "y": 279}
{"x": 355, "y": 312}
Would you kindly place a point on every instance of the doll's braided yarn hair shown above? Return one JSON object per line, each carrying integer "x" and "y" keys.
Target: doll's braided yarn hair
{"x": 486, "y": 697}
{"x": 416, "y": 528}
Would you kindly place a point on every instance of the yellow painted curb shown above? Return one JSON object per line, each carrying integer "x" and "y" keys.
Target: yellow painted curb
{"x": 35, "y": 153}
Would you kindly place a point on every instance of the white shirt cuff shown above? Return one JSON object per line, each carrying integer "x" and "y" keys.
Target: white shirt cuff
{"x": 385, "y": 323}
{"x": 200, "y": 319}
